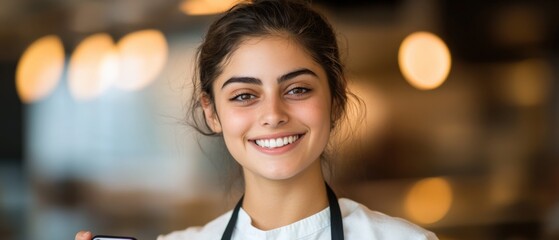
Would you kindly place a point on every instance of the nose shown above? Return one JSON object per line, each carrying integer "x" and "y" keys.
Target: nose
{"x": 273, "y": 113}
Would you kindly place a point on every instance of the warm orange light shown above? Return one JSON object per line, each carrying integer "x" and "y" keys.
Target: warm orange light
{"x": 206, "y": 7}
{"x": 424, "y": 60}
{"x": 87, "y": 74}
{"x": 528, "y": 83}
{"x": 429, "y": 200}
{"x": 142, "y": 55}
{"x": 110, "y": 66}
{"x": 40, "y": 68}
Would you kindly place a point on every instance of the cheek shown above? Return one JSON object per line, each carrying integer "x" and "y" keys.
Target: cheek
{"x": 235, "y": 123}
{"x": 316, "y": 114}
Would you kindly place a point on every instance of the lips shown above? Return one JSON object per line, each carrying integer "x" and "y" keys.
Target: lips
{"x": 276, "y": 142}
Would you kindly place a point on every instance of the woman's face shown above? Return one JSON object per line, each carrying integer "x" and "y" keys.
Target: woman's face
{"x": 273, "y": 107}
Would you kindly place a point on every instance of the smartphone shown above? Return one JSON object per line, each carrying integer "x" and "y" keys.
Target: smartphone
{"x": 106, "y": 237}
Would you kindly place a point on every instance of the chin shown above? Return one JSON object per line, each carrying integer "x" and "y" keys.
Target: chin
{"x": 281, "y": 169}
{"x": 283, "y": 172}
{"x": 280, "y": 175}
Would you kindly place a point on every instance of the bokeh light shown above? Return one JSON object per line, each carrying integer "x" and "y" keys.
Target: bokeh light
{"x": 142, "y": 55}
{"x": 40, "y": 68}
{"x": 206, "y": 7}
{"x": 429, "y": 200}
{"x": 93, "y": 67}
{"x": 424, "y": 60}
{"x": 528, "y": 83}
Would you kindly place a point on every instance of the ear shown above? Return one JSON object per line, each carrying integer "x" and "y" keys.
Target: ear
{"x": 210, "y": 115}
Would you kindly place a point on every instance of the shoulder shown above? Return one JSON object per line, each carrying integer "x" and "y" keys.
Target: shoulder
{"x": 361, "y": 222}
{"x": 212, "y": 230}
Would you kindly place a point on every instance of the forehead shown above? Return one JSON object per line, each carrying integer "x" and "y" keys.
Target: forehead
{"x": 268, "y": 56}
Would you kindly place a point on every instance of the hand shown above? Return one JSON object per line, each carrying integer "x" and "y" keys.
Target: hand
{"x": 83, "y": 235}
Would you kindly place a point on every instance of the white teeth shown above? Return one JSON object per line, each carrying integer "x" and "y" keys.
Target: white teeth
{"x": 278, "y": 142}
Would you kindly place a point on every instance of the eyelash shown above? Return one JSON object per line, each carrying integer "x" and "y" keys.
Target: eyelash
{"x": 303, "y": 89}
{"x": 239, "y": 97}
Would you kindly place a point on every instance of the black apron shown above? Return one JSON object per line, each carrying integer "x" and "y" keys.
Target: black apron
{"x": 336, "y": 226}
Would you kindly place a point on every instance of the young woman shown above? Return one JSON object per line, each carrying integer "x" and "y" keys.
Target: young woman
{"x": 270, "y": 82}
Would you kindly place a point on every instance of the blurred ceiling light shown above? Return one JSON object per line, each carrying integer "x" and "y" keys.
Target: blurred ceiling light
{"x": 206, "y": 7}
{"x": 142, "y": 55}
{"x": 429, "y": 200}
{"x": 424, "y": 60}
{"x": 110, "y": 66}
{"x": 93, "y": 67}
{"x": 40, "y": 68}
{"x": 529, "y": 82}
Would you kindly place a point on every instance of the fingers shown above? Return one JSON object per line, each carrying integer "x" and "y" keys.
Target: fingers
{"x": 83, "y": 235}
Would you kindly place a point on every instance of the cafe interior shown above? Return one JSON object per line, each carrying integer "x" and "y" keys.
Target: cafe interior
{"x": 456, "y": 129}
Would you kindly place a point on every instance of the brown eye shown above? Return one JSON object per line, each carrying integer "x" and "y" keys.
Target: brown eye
{"x": 298, "y": 91}
{"x": 243, "y": 97}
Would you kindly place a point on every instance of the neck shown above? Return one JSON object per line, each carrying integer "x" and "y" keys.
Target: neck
{"x": 276, "y": 203}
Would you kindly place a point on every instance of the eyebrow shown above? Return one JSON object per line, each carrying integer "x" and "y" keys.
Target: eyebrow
{"x": 282, "y": 78}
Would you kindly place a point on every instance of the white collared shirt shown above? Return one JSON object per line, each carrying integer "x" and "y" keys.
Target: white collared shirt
{"x": 359, "y": 223}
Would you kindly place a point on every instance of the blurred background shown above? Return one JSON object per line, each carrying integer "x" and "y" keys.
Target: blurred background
{"x": 460, "y": 133}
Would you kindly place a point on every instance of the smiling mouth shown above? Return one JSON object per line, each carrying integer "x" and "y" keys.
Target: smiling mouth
{"x": 277, "y": 142}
